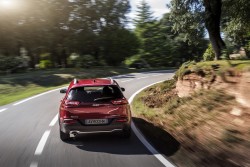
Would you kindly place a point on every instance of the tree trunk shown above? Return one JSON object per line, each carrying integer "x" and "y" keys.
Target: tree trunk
{"x": 212, "y": 22}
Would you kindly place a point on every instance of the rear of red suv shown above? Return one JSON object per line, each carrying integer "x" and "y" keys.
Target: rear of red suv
{"x": 94, "y": 106}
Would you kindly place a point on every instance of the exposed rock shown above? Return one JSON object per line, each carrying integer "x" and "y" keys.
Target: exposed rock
{"x": 236, "y": 111}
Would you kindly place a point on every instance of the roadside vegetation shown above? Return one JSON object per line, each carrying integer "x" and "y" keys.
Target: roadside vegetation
{"x": 18, "y": 86}
{"x": 210, "y": 124}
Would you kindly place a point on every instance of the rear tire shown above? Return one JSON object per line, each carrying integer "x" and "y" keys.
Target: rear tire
{"x": 64, "y": 136}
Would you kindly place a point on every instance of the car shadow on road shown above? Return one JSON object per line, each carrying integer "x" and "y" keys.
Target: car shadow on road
{"x": 115, "y": 144}
{"x": 164, "y": 142}
{"x": 109, "y": 143}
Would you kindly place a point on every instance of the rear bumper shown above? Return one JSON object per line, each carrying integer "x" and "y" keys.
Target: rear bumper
{"x": 82, "y": 129}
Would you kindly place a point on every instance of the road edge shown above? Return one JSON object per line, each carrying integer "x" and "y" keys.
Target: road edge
{"x": 142, "y": 138}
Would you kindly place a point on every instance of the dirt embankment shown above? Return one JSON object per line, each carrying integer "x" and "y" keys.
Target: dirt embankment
{"x": 225, "y": 139}
{"x": 206, "y": 111}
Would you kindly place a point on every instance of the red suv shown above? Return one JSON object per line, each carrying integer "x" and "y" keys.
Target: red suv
{"x": 94, "y": 106}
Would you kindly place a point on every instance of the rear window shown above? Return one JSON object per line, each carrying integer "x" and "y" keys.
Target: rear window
{"x": 94, "y": 93}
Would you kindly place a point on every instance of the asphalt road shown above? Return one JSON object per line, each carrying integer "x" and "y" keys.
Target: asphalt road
{"x": 29, "y": 134}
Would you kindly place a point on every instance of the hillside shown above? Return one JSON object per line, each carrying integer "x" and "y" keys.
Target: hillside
{"x": 200, "y": 118}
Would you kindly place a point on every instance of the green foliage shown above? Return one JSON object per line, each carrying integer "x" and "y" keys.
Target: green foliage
{"x": 44, "y": 64}
{"x": 209, "y": 54}
{"x": 132, "y": 59}
{"x": 73, "y": 59}
{"x": 144, "y": 15}
{"x": 45, "y": 56}
{"x": 192, "y": 17}
{"x": 85, "y": 61}
{"x": 236, "y": 21}
{"x": 13, "y": 63}
{"x": 168, "y": 85}
{"x": 119, "y": 44}
{"x": 160, "y": 46}
{"x": 45, "y": 61}
{"x": 187, "y": 18}
{"x": 63, "y": 27}
{"x": 247, "y": 49}
{"x": 184, "y": 69}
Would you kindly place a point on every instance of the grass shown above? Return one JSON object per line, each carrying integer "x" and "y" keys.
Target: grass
{"x": 184, "y": 113}
{"x": 188, "y": 67}
{"x": 14, "y": 87}
{"x": 22, "y": 92}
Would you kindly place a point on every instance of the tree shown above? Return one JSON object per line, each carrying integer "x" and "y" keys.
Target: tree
{"x": 142, "y": 22}
{"x": 144, "y": 15}
{"x": 119, "y": 44}
{"x": 236, "y": 22}
{"x": 197, "y": 14}
{"x": 61, "y": 27}
{"x": 160, "y": 46}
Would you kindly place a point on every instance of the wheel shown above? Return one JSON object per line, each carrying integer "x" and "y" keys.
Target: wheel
{"x": 126, "y": 133}
{"x": 64, "y": 136}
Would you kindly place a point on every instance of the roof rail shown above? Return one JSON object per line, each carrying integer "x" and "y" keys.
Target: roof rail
{"x": 75, "y": 81}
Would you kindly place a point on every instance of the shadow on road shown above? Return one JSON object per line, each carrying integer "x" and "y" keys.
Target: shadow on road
{"x": 115, "y": 144}
{"x": 159, "y": 138}
{"x": 109, "y": 143}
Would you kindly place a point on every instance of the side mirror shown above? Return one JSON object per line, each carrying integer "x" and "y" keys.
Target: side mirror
{"x": 63, "y": 90}
{"x": 123, "y": 89}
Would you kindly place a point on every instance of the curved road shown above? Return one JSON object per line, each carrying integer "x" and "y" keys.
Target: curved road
{"x": 29, "y": 134}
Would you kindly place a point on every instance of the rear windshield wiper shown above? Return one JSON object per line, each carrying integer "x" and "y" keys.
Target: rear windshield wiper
{"x": 103, "y": 98}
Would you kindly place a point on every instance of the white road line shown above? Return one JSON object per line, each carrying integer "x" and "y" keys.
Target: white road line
{"x": 127, "y": 80}
{"x": 3, "y": 109}
{"x": 34, "y": 164}
{"x": 53, "y": 122}
{"x": 157, "y": 75}
{"x": 164, "y": 161}
{"x": 142, "y": 77}
{"x": 35, "y": 96}
{"x": 137, "y": 132}
{"x": 42, "y": 143}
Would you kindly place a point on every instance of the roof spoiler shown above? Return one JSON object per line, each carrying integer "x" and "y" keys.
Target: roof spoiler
{"x": 111, "y": 80}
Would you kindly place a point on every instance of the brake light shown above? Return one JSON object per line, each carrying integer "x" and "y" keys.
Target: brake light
{"x": 65, "y": 117}
{"x": 122, "y": 120}
{"x": 119, "y": 102}
{"x": 72, "y": 103}
{"x": 69, "y": 121}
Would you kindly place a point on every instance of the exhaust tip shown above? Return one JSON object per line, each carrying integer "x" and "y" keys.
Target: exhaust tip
{"x": 73, "y": 133}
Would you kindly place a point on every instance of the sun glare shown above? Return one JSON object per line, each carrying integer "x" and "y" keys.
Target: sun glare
{"x": 6, "y": 3}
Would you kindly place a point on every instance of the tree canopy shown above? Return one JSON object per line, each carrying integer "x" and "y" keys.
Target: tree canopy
{"x": 61, "y": 27}
{"x": 190, "y": 17}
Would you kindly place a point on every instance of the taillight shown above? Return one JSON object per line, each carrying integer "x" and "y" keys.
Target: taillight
{"x": 72, "y": 103}
{"x": 122, "y": 119}
{"x": 119, "y": 101}
{"x": 69, "y": 121}
{"x": 65, "y": 117}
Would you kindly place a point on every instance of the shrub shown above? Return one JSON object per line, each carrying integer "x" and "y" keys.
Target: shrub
{"x": 45, "y": 56}
{"x": 184, "y": 69}
{"x": 85, "y": 61}
{"x": 132, "y": 59}
{"x": 73, "y": 59}
{"x": 43, "y": 64}
{"x": 209, "y": 54}
{"x": 13, "y": 63}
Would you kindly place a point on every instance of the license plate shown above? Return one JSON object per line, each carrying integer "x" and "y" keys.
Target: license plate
{"x": 96, "y": 121}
